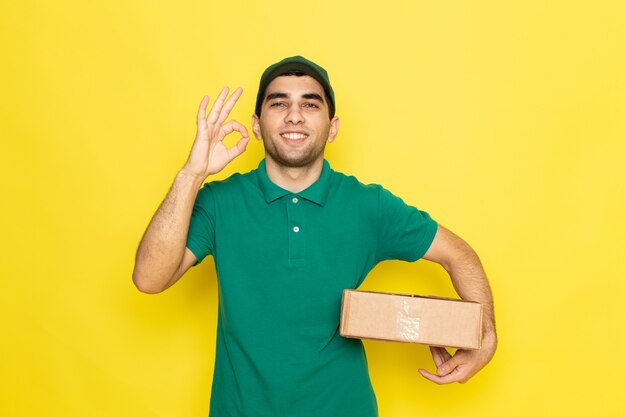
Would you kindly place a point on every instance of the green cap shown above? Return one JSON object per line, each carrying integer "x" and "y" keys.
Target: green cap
{"x": 295, "y": 63}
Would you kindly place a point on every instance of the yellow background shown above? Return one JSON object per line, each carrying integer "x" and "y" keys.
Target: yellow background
{"x": 505, "y": 120}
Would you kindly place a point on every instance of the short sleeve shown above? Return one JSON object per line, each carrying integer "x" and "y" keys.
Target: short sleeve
{"x": 404, "y": 232}
{"x": 201, "y": 235}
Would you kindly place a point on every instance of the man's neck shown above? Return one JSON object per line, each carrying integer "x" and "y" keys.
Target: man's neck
{"x": 294, "y": 179}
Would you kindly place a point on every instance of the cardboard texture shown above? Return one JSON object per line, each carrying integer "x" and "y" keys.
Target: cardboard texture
{"x": 410, "y": 318}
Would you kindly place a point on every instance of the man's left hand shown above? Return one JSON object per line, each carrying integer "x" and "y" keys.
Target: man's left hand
{"x": 461, "y": 366}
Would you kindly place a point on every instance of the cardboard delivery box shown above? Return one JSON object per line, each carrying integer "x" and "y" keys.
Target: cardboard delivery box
{"x": 432, "y": 321}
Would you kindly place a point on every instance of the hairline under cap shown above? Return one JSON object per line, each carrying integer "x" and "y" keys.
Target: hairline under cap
{"x": 299, "y": 67}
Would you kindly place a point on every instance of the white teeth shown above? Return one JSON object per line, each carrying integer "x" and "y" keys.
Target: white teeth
{"x": 294, "y": 136}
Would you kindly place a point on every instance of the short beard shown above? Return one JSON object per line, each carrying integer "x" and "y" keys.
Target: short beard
{"x": 307, "y": 159}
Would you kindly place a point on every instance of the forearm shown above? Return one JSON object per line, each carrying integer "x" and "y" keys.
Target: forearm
{"x": 162, "y": 247}
{"x": 470, "y": 282}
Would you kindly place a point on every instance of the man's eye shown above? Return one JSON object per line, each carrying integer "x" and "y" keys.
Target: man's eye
{"x": 311, "y": 105}
{"x": 277, "y": 104}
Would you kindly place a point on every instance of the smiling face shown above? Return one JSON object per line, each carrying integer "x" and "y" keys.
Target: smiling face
{"x": 294, "y": 123}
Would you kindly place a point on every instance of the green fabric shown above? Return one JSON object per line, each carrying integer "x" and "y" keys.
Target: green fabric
{"x": 278, "y": 348}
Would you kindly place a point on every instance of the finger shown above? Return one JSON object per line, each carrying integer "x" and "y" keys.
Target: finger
{"x": 441, "y": 352}
{"x": 444, "y": 353}
{"x": 437, "y": 357}
{"x": 232, "y": 126}
{"x": 202, "y": 108}
{"x": 217, "y": 106}
{"x": 239, "y": 148}
{"x": 451, "y": 364}
{"x": 447, "y": 379}
{"x": 440, "y": 355}
{"x": 230, "y": 103}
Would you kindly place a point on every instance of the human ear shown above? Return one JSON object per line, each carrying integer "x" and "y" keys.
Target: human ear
{"x": 256, "y": 127}
{"x": 334, "y": 129}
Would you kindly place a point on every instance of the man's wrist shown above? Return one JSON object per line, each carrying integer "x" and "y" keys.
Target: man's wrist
{"x": 189, "y": 177}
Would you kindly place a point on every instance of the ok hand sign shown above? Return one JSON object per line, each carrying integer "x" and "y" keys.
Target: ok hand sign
{"x": 208, "y": 154}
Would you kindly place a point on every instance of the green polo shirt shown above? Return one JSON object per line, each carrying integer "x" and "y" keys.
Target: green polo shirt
{"x": 283, "y": 260}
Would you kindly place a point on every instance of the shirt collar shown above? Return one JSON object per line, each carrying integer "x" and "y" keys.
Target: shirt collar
{"x": 316, "y": 192}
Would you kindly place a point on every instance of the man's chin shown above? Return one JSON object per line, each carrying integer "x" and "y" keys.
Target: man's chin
{"x": 296, "y": 161}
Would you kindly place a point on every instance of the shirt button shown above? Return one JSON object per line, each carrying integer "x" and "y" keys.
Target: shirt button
{"x": 295, "y": 200}
{"x": 296, "y": 229}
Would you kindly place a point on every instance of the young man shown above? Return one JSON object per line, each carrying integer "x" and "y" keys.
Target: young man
{"x": 287, "y": 238}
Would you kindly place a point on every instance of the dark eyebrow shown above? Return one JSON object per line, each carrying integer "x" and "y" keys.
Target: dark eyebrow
{"x": 276, "y": 95}
{"x": 308, "y": 96}
{"x": 313, "y": 96}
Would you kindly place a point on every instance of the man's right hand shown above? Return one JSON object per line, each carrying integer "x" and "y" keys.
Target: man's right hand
{"x": 208, "y": 154}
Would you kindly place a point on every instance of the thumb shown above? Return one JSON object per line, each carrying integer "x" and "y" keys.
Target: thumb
{"x": 449, "y": 365}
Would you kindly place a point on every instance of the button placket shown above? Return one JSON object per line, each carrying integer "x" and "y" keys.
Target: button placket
{"x": 295, "y": 229}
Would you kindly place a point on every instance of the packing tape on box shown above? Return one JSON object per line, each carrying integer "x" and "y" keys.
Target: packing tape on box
{"x": 408, "y": 325}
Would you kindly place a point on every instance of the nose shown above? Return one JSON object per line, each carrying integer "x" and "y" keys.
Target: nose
{"x": 294, "y": 115}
